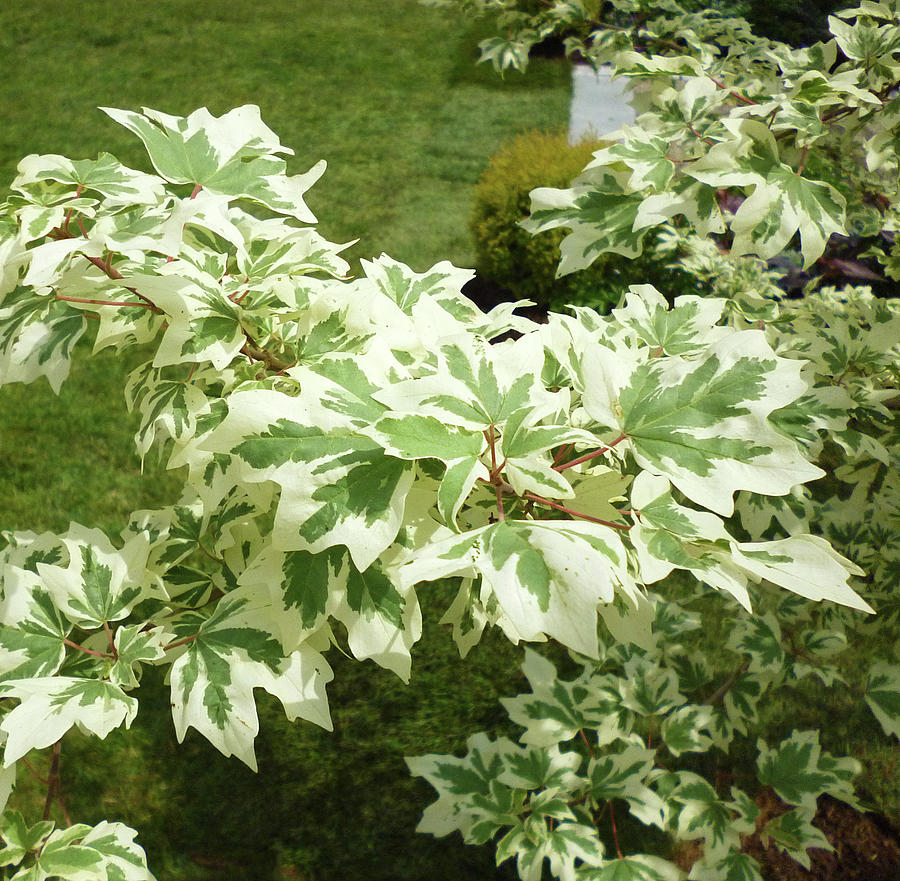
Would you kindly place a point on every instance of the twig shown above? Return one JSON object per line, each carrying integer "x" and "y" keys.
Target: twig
{"x": 542, "y": 501}
{"x": 81, "y": 648}
{"x": 588, "y": 456}
{"x": 719, "y": 694}
{"x": 143, "y": 305}
{"x": 255, "y": 353}
{"x": 586, "y": 742}
{"x": 612, "y": 817}
{"x": 52, "y": 779}
{"x": 178, "y": 642}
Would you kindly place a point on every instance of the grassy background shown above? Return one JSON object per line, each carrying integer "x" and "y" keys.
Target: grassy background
{"x": 388, "y": 93}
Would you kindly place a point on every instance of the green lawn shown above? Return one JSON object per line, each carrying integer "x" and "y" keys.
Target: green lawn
{"x": 388, "y": 94}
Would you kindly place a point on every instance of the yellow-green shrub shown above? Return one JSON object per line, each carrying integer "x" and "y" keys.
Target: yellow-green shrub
{"x": 512, "y": 258}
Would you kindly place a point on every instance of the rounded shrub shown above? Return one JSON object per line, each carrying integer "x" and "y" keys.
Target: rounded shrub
{"x": 510, "y": 257}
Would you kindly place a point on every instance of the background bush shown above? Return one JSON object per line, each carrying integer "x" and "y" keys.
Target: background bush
{"x": 525, "y": 265}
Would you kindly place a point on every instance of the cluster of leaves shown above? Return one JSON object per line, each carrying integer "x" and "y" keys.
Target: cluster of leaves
{"x": 612, "y": 737}
{"x": 739, "y": 138}
{"x": 512, "y": 258}
{"x": 727, "y": 113}
{"x": 345, "y": 441}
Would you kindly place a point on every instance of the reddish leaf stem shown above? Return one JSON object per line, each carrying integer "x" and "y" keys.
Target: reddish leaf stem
{"x": 743, "y": 98}
{"x": 588, "y": 456}
{"x": 612, "y": 817}
{"x": 586, "y": 742}
{"x": 560, "y": 453}
{"x": 52, "y": 779}
{"x": 111, "y": 640}
{"x": 542, "y": 501}
{"x": 81, "y": 648}
{"x": 106, "y": 302}
{"x": 178, "y": 642}
{"x": 495, "y": 472}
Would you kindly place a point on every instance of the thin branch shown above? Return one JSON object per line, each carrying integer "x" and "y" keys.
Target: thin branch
{"x": 561, "y": 453}
{"x": 103, "y": 266}
{"x": 733, "y": 93}
{"x": 111, "y": 640}
{"x": 143, "y": 305}
{"x": 81, "y": 648}
{"x": 542, "y": 501}
{"x": 255, "y": 353}
{"x": 52, "y": 779}
{"x": 588, "y": 456}
{"x": 33, "y": 771}
{"x": 612, "y": 817}
{"x": 586, "y": 742}
{"x": 495, "y": 472}
{"x": 209, "y": 553}
{"x": 719, "y": 694}
{"x": 178, "y": 642}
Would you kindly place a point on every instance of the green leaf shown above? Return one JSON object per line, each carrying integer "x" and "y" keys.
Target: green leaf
{"x": 477, "y": 385}
{"x": 461, "y": 781}
{"x": 683, "y": 730}
{"x": 456, "y": 485}
{"x": 203, "y": 324}
{"x": 702, "y": 814}
{"x": 227, "y": 655}
{"x": 37, "y": 337}
{"x": 649, "y": 689}
{"x": 883, "y": 696}
{"x": 549, "y": 577}
{"x": 804, "y": 564}
{"x": 338, "y": 487}
{"x": 634, "y": 867}
{"x": 136, "y": 645}
{"x": 688, "y": 326}
{"x": 382, "y": 621}
{"x": 645, "y": 155}
{"x": 783, "y": 201}
{"x": 733, "y": 866}
{"x": 702, "y": 423}
{"x": 19, "y": 838}
{"x": 422, "y": 437}
{"x": 123, "y": 859}
{"x": 104, "y": 175}
{"x": 601, "y": 215}
{"x": 31, "y": 638}
{"x": 100, "y": 584}
{"x": 557, "y": 710}
{"x": 542, "y": 768}
{"x": 51, "y": 705}
{"x": 235, "y": 155}
{"x": 441, "y": 284}
{"x": 799, "y": 772}
{"x": 620, "y": 775}
{"x": 794, "y": 833}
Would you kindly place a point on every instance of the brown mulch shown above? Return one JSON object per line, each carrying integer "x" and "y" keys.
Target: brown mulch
{"x": 866, "y": 846}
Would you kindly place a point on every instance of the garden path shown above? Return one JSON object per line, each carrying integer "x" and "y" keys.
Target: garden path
{"x": 599, "y": 103}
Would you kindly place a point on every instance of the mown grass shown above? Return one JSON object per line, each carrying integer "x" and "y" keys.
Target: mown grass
{"x": 389, "y": 95}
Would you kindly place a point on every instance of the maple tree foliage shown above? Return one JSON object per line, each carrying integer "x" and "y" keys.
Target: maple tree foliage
{"x": 345, "y": 440}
